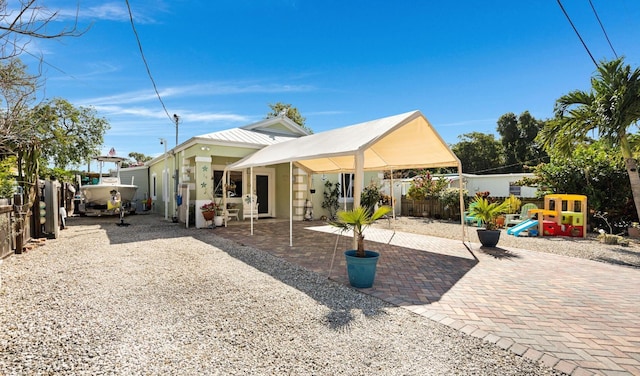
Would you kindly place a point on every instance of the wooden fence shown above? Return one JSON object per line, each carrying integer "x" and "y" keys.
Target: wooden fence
{"x": 6, "y": 234}
{"x": 434, "y": 208}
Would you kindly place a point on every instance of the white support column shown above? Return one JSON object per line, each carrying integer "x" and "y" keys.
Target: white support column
{"x": 358, "y": 185}
{"x": 251, "y": 204}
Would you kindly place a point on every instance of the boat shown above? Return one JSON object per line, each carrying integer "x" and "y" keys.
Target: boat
{"x": 106, "y": 194}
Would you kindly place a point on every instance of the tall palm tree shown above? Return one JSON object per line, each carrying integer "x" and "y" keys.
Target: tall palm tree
{"x": 611, "y": 108}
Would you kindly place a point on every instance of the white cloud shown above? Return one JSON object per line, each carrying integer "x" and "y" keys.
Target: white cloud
{"x": 209, "y": 89}
{"x": 110, "y": 11}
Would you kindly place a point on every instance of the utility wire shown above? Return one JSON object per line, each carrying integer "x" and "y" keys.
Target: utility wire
{"x": 146, "y": 65}
{"x": 539, "y": 159}
{"x": 577, "y": 33}
{"x": 603, "y": 30}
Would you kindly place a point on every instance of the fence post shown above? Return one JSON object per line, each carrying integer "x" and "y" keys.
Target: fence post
{"x": 19, "y": 221}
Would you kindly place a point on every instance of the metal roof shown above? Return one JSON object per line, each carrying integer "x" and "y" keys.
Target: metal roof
{"x": 243, "y": 136}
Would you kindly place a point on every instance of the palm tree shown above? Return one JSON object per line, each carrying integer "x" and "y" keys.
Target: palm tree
{"x": 610, "y": 109}
{"x": 357, "y": 220}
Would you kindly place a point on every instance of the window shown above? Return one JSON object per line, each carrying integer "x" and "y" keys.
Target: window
{"x": 154, "y": 187}
{"x": 515, "y": 190}
{"x": 234, "y": 183}
{"x": 346, "y": 187}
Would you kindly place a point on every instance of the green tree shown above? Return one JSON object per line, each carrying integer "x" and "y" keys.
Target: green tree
{"x": 7, "y": 178}
{"x": 593, "y": 170}
{"x": 279, "y": 109}
{"x": 610, "y": 109}
{"x": 424, "y": 186}
{"x": 69, "y": 135}
{"x": 518, "y": 136}
{"x": 479, "y": 153}
{"x": 139, "y": 158}
{"x": 17, "y": 93}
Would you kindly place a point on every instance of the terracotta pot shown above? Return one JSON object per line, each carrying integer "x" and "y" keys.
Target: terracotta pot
{"x": 208, "y": 215}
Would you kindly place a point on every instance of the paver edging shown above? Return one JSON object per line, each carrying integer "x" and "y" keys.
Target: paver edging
{"x": 519, "y": 349}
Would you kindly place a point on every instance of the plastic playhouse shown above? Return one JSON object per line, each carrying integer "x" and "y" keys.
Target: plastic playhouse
{"x": 563, "y": 215}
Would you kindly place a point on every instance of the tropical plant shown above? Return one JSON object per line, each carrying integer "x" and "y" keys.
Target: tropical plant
{"x": 487, "y": 211}
{"x": 331, "y": 196}
{"x": 513, "y": 204}
{"x": 611, "y": 108}
{"x": 357, "y": 220}
{"x": 424, "y": 186}
{"x": 370, "y": 196}
{"x": 450, "y": 197}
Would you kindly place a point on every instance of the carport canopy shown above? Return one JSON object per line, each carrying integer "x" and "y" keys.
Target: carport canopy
{"x": 397, "y": 142}
{"x": 404, "y": 141}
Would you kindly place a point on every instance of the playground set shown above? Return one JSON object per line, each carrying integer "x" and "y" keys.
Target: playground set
{"x": 563, "y": 215}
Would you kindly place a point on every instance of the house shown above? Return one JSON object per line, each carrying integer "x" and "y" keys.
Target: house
{"x": 285, "y": 167}
{"x": 199, "y": 164}
{"x": 498, "y": 185}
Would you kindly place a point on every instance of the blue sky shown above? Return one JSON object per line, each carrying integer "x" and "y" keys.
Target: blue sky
{"x": 219, "y": 63}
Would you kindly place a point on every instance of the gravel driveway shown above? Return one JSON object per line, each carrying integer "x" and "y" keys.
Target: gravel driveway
{"x": 154, "y": 298}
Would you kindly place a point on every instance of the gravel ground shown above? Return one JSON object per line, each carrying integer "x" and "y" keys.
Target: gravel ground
{"x": 157, "y": 299}
{"x": 588, "y": 248}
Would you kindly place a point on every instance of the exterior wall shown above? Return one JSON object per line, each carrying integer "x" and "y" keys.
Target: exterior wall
{"x": 317, "y": 183}
{"x": 498, "y": 185}
{"x": 160, "y": 184}
{"x": 282, "y": 191}
{"x": 140, "y": 177}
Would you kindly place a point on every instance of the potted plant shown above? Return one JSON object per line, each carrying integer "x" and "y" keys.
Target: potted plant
{"x": 488, "y": 212}
{"x": 361, "y": 263}
{"x": 212, "y": 211}
{"x": 513, "y": 206}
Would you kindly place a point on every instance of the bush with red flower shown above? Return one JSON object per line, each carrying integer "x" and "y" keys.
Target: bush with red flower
{"x": 211, "y": 207}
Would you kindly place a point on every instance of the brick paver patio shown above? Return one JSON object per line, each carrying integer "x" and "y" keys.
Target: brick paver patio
{"x": 578, "y": 316}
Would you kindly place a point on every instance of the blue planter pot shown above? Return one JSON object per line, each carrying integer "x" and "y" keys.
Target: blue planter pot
{"x": 361, "y": 270}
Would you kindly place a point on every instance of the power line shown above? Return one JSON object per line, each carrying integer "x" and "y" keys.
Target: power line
{"x": 577, "y": 33}
{"x": 539, "y": 159}
{"x": 144, "y": 60}
{"x": 603, "y": 30}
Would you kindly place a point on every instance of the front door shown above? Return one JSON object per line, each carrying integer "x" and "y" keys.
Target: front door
{"x": 262, "y": 191}
{"x": 265, "y": 190}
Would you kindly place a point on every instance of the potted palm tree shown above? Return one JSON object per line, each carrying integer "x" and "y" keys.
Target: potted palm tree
{"x": 488, "y": 212}
{"x": 361, "y": 263}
